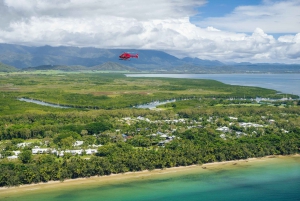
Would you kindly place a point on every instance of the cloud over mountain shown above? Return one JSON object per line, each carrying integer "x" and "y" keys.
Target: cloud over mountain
{"x": 157, "y": 24}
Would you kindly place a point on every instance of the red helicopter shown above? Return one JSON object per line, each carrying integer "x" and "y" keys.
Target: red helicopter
{"x": 126, "y": 56}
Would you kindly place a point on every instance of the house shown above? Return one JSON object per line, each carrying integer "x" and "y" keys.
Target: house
{"x": 239, "y": 134}
{"x": 60, "y": 154}
{"x": 181, "y": 120}
{"x": 223, "y": 129}
{"x": 16, "y": 153}
{"x": 143, "y": 119}
{"x": 271, "y": 121}
{"x": 161, "y": 144}
{"x": 24, "y": 144}
{"x": 96, "y": 146}
{"x": 171, "y": 137}
{"x": 164, "y": 136}
{"x": 90, "y": 151}
{"x": 78, "y": 143}
{"x": 38, "y": 150}
{"x": 210, "y": 119}
{"x": 159, "y": 133}
{"x": 73, "y": 152}
{"x": 77, "y": 152}
{"x": 12, "y": 157}
{"x": 15, "y": 156}
{"x": 245, "y": 125}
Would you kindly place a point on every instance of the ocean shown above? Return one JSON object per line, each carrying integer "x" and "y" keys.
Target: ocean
{"x": 266, "y": 179}
{"x": 283, "y": 83}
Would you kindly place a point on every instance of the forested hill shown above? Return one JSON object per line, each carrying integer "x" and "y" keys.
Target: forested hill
{"x": 107, "y": 66}
{"x": 7, "y": 68}
{"x": 90, "y": 58}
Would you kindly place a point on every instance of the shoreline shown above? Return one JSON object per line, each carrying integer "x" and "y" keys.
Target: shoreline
{"x": 130, "y": 176}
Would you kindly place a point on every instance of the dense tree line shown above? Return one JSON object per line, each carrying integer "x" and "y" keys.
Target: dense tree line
{"x": 195, "y": 146}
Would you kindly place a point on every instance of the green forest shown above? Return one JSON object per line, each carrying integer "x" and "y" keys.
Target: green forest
{"x": 208, "y": 121}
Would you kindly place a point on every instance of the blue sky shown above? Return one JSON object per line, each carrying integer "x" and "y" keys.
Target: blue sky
{"x": 219, "y": 8}
{"x": 225, "y": 30}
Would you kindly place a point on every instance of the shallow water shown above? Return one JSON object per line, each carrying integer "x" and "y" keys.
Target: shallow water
{"x": 41, "y": 103}
{"x": 272, "y": 179}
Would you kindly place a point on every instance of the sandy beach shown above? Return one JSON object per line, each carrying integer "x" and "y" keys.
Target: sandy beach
{"x": 129, "y": 176}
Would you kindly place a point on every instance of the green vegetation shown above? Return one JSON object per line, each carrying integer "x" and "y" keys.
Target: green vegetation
{"x": 108, "y": 91}
{"x": 209, "y": 122}
{"x": 7, "y": 68}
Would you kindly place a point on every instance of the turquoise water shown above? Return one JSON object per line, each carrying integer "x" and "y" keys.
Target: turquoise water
{"x": 274, "y": 179}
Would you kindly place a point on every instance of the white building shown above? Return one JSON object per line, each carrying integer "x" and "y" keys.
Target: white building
{"x": 73, "y": 152}
{"x": 223, "y": 129}
{"x": 38, "y": 150}
{"x": 96, "y": 146}
{"x": 78, "y": 143}
{"x": 16, "y": 153}
{"x": 77, "y": 152}
{"x": 223, "y": 136}
{"x": 24, "y": 144}
{"x": 90, "y": 151}
{"x": 245, "y": 125}
{"x": 12, "y": 157}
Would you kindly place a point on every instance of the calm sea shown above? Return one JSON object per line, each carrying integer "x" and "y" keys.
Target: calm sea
{"x": 276, "y": 179}
{"x": 284, "y": 83}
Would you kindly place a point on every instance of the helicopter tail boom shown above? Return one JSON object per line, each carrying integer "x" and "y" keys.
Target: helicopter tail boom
{"x": 135, "y": 56}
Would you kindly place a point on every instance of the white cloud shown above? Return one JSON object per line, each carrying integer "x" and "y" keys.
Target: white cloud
{"x": 272, "y": 16}
{"x": 154, "y": 9}
{"x": 159, "y": 24}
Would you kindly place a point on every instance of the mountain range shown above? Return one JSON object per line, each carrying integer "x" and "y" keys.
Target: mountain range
{"x": 19, "y": 57}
